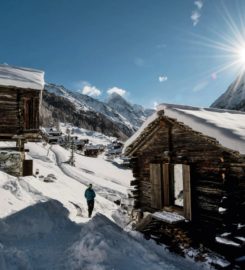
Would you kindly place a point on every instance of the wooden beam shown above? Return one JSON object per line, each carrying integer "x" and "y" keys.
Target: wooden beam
{"x": 165, "y": 170}
{"x": 187, "y": 192}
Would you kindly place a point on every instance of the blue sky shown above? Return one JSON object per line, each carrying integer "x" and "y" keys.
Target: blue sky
{"x": 152, "y": 51}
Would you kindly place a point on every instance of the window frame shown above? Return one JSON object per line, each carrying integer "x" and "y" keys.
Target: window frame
{"x": 162, "y": 182}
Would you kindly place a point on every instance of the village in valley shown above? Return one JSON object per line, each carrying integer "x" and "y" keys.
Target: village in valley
{"x": 169, "y": 181}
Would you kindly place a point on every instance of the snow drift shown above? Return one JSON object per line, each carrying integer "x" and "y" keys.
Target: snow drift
{"x": 42, "y": 236}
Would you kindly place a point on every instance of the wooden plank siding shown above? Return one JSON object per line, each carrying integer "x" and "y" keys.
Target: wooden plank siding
{"x": 8, "y": 110}
{"x": 16, "y": 117}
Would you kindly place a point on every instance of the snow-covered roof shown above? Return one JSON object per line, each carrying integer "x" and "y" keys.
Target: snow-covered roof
{"x": 226, "y": 126}
{"x": 21, "y": 77}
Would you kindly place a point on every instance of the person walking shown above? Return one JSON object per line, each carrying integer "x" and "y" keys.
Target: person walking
{"x": 90, "y": 195}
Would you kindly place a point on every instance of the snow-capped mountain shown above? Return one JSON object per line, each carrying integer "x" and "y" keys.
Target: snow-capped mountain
{"x": 115, "y": 117}
{"x": 134, "y": 114}
{"x": 234, "y": 97}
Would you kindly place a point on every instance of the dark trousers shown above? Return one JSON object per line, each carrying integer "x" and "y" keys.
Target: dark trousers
{"x": 90, "y": 207}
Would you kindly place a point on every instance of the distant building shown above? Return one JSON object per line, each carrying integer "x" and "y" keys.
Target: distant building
{"x": 51, "y": 135}
{"x": 91, "y": 150}
{"x": 114, "y": 149}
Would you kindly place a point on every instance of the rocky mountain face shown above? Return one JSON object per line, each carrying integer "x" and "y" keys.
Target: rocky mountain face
{"x": 116, "y": 117}
{"x": 133, "y": 114}
{"x": 234, "y": 97}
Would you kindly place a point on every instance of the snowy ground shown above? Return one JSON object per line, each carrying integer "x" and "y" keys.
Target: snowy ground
{"x": 44, "y": 225}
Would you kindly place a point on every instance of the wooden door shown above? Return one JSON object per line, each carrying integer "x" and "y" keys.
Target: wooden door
{"x": 28, "y": 113}
{"x": 156, "y": 185}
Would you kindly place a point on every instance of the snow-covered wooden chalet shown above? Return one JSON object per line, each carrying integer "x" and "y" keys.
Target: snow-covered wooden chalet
{"x": 191, "y": 161}
{"x": 20, "y": 97}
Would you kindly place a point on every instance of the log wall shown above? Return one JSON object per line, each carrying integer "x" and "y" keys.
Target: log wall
{"x": 16, "y": 116}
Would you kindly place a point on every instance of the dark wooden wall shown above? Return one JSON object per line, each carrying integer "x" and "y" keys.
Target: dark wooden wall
{"x": 217, "y": 174}
{"x": 19, "y": 111}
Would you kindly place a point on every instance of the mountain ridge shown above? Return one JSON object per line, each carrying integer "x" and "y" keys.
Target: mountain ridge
{"x": 234, "y": 97}
{"x": 116, "y": 116}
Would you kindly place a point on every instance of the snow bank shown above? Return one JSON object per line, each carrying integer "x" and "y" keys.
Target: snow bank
{"x": 40, "y": 218}
{"x": 36, "y": 237}
{"x": 42, "y": 236}
{"x": 21, "y": 77}
{"x": 103, "y": 245}
{"x": 13, "y": 197}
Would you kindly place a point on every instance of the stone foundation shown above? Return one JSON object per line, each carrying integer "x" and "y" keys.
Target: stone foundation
{"x": 11, "y": 162}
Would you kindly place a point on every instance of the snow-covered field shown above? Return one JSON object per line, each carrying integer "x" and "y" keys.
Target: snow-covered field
{"x": 44, "y": 225}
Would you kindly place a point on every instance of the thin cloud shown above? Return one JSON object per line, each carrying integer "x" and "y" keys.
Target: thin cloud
{"x": 195, "y": 17}
{"x": 196, "y": 14}
{"x": 162, "y": 78}
{"x": 91, "y": 91}
{"x": 161, "y": 46}
{"x": 200, "y": 86}
{"x": 116, "y": 90}
{"x": 199, "y": 4}
{"x": 140, "y": 62}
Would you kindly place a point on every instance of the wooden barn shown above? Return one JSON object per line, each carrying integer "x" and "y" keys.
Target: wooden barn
{"x": 189, "y": 166}
{"x": 20, "y": 100}
{"x": 20, "y": 92}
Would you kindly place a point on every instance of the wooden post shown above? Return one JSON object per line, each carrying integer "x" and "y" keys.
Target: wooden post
{"x": 187, "y": 192}
{"x": 166, "y": 195}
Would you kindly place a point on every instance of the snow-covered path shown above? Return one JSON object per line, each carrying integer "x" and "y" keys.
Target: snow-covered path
{"x": 105, "y": 186}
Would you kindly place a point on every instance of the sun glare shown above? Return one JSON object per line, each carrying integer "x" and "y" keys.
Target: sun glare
{"x": 229, "y": 46}
{"x": 241, "y": 55}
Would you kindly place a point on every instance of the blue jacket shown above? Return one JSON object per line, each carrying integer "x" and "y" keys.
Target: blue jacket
{"x": 89, "y": 194}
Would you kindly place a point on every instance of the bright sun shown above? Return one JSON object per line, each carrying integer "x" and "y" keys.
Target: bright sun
{"x": 229, "y": 46}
